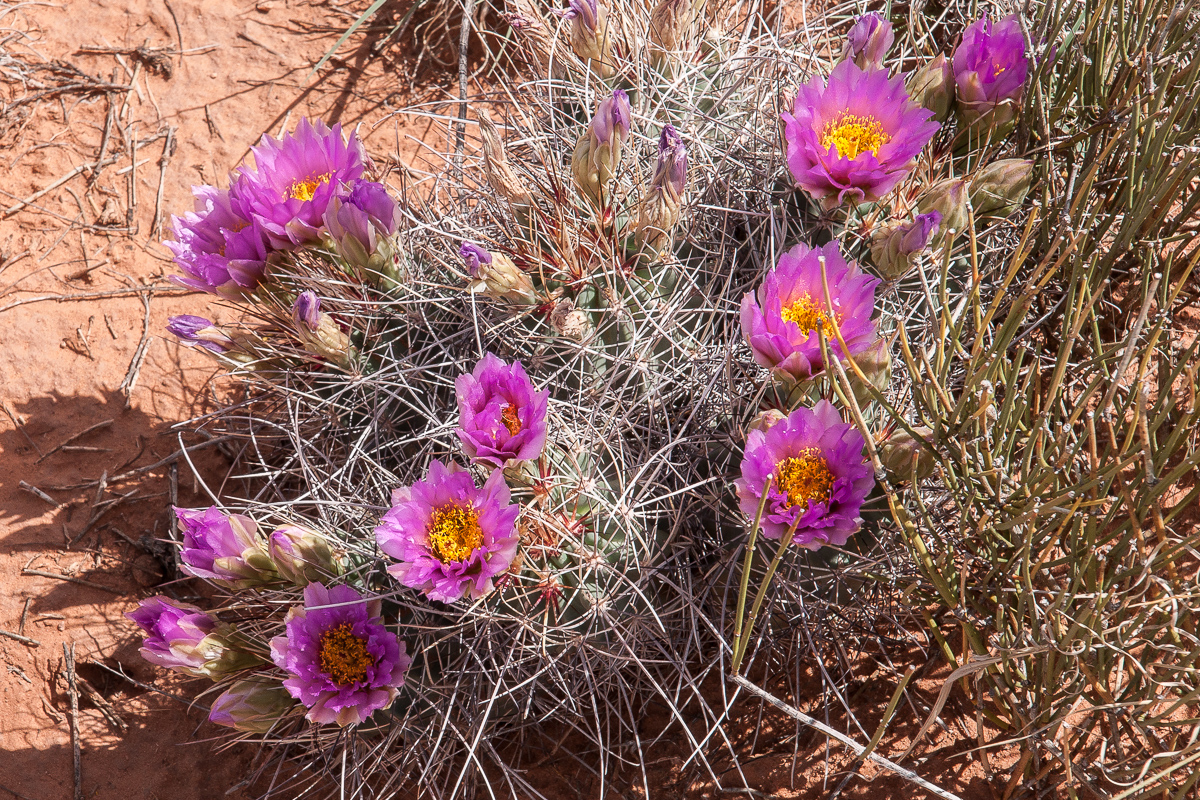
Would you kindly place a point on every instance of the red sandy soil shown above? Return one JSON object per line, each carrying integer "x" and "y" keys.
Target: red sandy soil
{"x": 244, "y": 70}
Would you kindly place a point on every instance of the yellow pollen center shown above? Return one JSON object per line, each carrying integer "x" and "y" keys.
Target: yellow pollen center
{"x": 304, "y": 190}
{"x": 510, "y": 419}
{"x": 852, "y": 134}
{"x": 344, "y": 657}
{"x": 808, "y": 316}
{"x": 997, "y": 69}
{"x": 454, "y": 533}
{"x": 804, "y": 478}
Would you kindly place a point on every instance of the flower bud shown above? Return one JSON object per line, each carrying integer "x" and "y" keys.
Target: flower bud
{"x": 598, "y": 153}
{"x": 868, "y": 42}
{"x": 306, "y": 311}
{"x": 301, "y": 555}
{"x": 990, "y": 68}
{"x": 894, "y": 244}
{"x": 949, "y": 198}
{"x": 252, "y": 705}
{"x": 359, "y": 226}
{"x": 669, "y": 22}
{"x": 534, "y": 36}
{"x": 196, "y": 331}
{"x": 660, "y": 208}
{"x": 495, "y": 275}
{"x": 1001, "y": 187}
{"x": 766, "y": 420}
{"x": 184, "y": 638}
{"x": 568, "y": 321}
{"x": 589, "y": 35}
{"x": 932, "y": 87}
{"x": 901, "y": 454}
{"x": 876, "y": 365}
{"x": 224, "y": 548}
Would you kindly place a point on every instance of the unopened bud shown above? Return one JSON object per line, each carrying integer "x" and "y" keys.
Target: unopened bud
{"x": 669, "y": 22}
{"x": 660, "y": 208}
{"x": 590, "y": 36}
{"x": 1001, "y": 187}
{"x": 894, "y": 244}
{"x": 932, "y": 87}
{"x": 302, "y": 556}
{"x": 568, "y": 321}
{"x": 499, "y": 172}
{"x": 876, "y": 365}
{"x": 252, "y": 705}
{"x": 767, "y": 419}
{"x": 868, "y": 42}
{"x": 949, "y": 198}
{"x": 598, "y": 153}
{"x": 495, "y": 275}
{"x": 196, "y": 331}
{"x": 901, "y": 454}
{"x": 533, "y": 34}
{"x": 306, "y": 311}
{"x": 320, "y": 332}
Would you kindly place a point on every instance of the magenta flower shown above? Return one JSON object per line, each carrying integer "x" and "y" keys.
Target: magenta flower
{"x": 820, "y": 477}
{"x": 222, "y": 547}
{"x": 501, "y": 418}
{"x": 781, "y": 323}
{"x": 196, "y": 331}
{"x": 294, "y": 178}
{"x": 450, "y": 537}
{"x": 990, "y": 66}
{"x": 219, "y": 250}
{"x": 344, "y": 664}
{"x": 175, "y": 633}
{"x": 855, "y": 138}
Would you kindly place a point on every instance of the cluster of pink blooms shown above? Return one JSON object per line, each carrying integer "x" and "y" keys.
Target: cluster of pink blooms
{"x": 850, "y": 139}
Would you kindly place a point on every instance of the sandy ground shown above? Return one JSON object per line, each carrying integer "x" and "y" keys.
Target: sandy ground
{"x": 91, "y": 388}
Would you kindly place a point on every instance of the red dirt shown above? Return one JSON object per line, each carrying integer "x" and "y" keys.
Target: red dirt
{"x": 62, "y": 366}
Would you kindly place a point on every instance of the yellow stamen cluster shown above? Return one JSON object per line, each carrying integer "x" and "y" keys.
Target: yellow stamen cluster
{"x": 510, "y": 419}
{"x": 804, "y": 478}
{"x": 344, "y": 657}
{"x": 454, "y": 533}
{"x": 852, "y": 134}
{"x": 808, "y": 316}
{"x": 304, "y": 190}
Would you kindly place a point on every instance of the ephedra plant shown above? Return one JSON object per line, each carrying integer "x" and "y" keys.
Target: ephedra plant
{"x": 890, "y": 301}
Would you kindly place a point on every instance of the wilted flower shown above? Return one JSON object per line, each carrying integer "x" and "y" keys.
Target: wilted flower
{"x": 451, "y": 538}
{"x": 902, "y": 455}
{"x": 501, "y": 418}
{"x": 1001, "y": 186}
{"x": 569, "y": 321}
{"x": 893, "y": 245}
{"x": 949, "y": 198}
{"x": 767, "y": 419}
{"x": 359, "y": 221}
{"x": 781, "y": 323}
{"x": 219, "y": 250}
{"x": 184, "y": 638}
{"x": 855, "y": 138}
{"x": 344, "y": 663}
{"x": 819, "y": 477}
{"x": 294, "y": 178}
{"x": 660, "y": 208}
{"x": 589, "y": 35}
{"x": 868, "y": 42}
{"x": 253, "y": 705}
{"x": 223, "y": 547}
{"x": 598, "y": 153}
{"x": 932, "y": 87}
{"x": 990, "y": 68}
{"x": 301, "y": 555}
{"x": 496, "y": 168}
{"x": 495, "y": 275}
{"x": 669, "y": 22}
{"x": 196, "y": 331}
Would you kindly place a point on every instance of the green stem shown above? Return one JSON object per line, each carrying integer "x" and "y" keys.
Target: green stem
{"x": 761, "y": 595}
{"x": 746, "y": 563}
